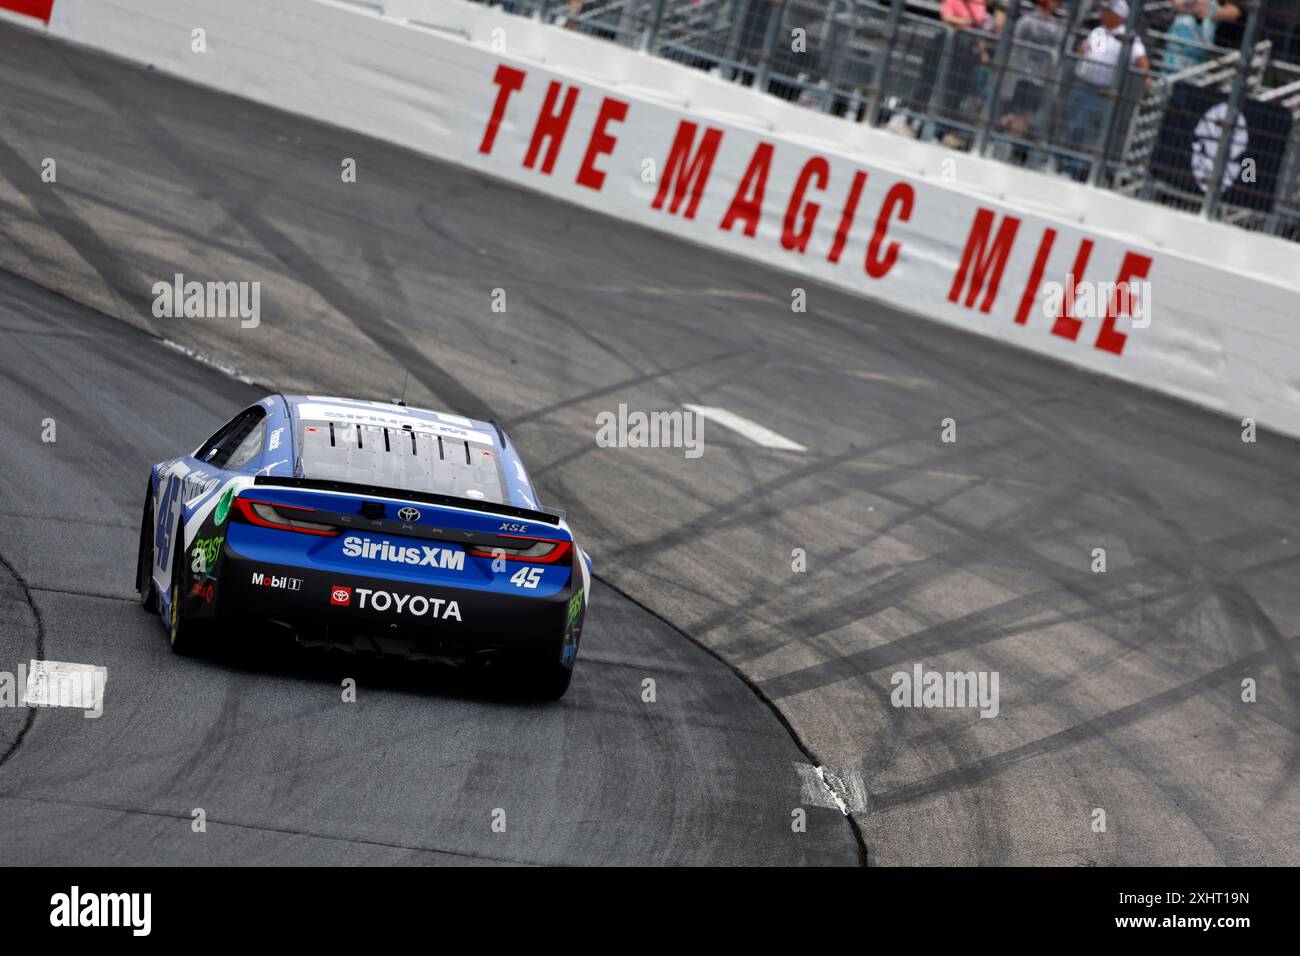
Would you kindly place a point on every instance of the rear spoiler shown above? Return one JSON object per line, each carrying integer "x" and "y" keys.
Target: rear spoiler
{"x": 375, "y": 491}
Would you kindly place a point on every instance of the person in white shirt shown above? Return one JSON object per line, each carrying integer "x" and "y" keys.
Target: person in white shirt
{"x": 1095, "y": 76}
{"x": 1101, "y": 50}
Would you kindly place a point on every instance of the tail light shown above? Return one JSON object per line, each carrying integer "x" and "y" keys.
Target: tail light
{"x": 539, "y": 550}
{"x": 284, "y": 517}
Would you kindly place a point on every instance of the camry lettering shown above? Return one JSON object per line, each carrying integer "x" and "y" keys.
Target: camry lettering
{"x": 356, "y": 547}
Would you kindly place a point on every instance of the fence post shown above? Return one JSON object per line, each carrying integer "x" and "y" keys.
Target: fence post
{"x": 1112, "y": 107}
{"x": 1000, "y": 65}
{"x": 651, "y": 34}
{"x": 834, "y": 50}
{"x": 769, "y": 44}
{"x": 930, "y": 128}
{"x": 1289, "y": 173}
{"x": 732, "y": 54}
{"x": 878, "y": 81}
{"x": 1214, "y": 188}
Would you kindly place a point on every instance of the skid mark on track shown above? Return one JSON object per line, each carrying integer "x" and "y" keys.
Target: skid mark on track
{"x": 215, "y": 821}
{"x": 118, "y": 279}
{"x": 1093, "y": 728}
{"x": 29, "y": 715}
{"x": 384, "y": 333}
{"x": 622, "y": 385}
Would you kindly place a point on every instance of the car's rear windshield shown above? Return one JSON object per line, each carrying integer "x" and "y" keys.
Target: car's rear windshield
{"x": 404, "y": 458}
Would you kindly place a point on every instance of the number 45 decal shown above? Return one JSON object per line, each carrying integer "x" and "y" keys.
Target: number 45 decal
{"x": 527, "y": 577}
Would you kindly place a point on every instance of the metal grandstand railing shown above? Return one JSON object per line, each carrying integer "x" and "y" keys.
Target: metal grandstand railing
{"x": 1284, "y": 219}
{"x": 1132, "y": 177}
{"x": 1020, "y": 92}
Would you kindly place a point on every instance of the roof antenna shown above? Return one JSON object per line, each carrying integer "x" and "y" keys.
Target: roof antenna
{"x": 406, "y": 378}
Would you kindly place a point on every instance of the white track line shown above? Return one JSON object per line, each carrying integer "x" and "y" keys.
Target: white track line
{"x": 62, "y": 684}
{"x": 209, "y": 361}
{"x": 843, "y": 790}
{"x": 751, "y": 430}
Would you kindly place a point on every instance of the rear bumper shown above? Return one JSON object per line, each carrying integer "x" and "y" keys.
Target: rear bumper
{"x": 394, "y": 617}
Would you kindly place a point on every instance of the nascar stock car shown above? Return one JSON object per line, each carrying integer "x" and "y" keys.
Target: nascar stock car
{"x": 366, "y": 526}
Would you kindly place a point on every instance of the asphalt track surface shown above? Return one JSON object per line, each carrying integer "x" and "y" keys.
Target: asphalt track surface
{"x": 259, "y": 737}
{"x": 1120, "y": 692}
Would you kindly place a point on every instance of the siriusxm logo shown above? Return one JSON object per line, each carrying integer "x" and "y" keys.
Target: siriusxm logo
{"x": 354, "y": 547}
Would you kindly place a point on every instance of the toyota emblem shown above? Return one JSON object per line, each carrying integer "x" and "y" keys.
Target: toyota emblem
{"x": 409, "y": 514}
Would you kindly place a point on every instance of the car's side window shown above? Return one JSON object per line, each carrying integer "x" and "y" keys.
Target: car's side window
{"x": 221, "y": 449}
{"x": 210, "y": 447}
{"x": 250, "y": 447}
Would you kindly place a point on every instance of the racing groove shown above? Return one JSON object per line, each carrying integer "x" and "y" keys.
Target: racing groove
{"x": 259, "y": 738}
{"x": 1120, "y": 691}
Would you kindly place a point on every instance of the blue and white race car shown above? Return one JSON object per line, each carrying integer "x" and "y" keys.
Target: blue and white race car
{"x": 369, "y": 526}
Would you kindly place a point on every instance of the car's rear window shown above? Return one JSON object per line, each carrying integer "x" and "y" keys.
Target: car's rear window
{"x": 405, "y": 458}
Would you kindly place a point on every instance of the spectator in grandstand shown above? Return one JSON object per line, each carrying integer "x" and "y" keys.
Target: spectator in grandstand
{"x": 1034, "y": 44}
{"x": 1095, "y": 78}
{"x": 998, "y": 15}
{"x": 1195, "y": 24}
{"x": 969, "y": 54}
{"x": 964, "y": 14}
{"x": 569, "y": 18}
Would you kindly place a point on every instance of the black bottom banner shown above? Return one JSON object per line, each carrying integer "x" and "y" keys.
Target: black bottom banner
{"x": 915, "y": 906}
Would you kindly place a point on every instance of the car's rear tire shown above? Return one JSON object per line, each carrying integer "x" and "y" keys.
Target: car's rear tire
{"x": 144, "y": 561}
{"x": 187, "y": 637}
